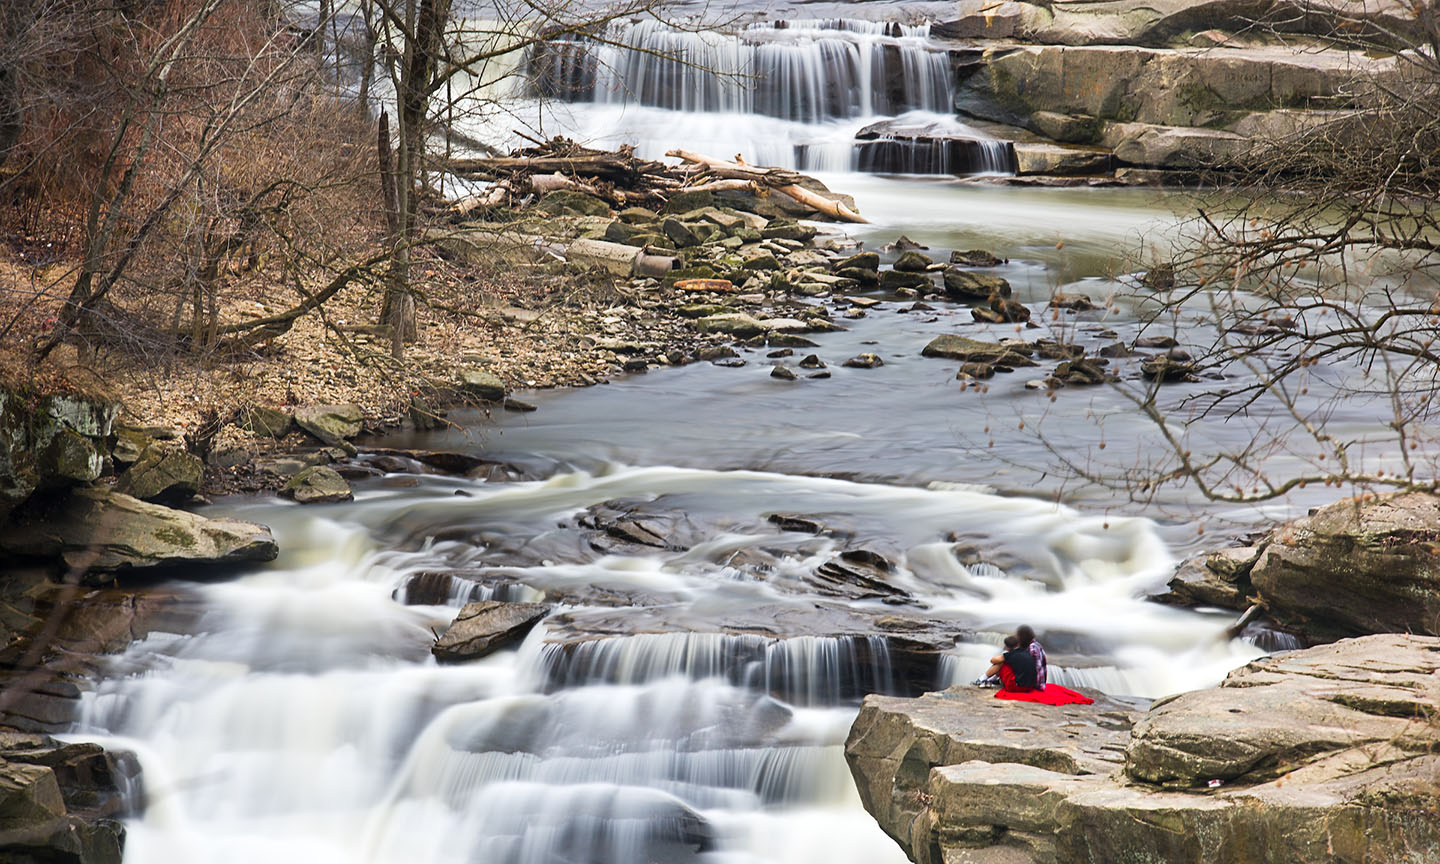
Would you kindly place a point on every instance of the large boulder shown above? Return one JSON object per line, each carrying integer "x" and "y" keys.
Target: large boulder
{"x": 100, "y": 531}
{"x": 483, "y": 627}
{"x": 1326, "y": 754}
{"x": 482, "y": 384}
{"x": 163, "y": 471}
{"x": 332, "y": 424}
{"x": 1363, "y": 565}
{"x": 49, "y": 441}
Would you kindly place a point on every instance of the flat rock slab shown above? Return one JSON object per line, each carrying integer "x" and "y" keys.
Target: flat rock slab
{"x": 332, "y": 424}
{"x": 100, "y": 530}
{"x": 483, "y": 627}
{"x": 1327, "y": 754}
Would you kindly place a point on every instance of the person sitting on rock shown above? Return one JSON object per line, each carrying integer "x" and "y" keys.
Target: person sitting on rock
{"x": 1028, "y": 640}
{"x": 1016, "y": 667}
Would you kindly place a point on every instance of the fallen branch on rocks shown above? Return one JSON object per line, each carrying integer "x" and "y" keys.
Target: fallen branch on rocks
{"x": 776, "y": 178}
{"x": 621, "y": 180}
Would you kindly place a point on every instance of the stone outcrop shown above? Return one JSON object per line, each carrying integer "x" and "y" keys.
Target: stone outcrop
{"x": 1362, "y": 565}
{"x": 1326, "y": 754}
{"x": 98, "y": 530}
{"x": 48, "y": 442}
{"x": 162, "y": 471}
{"x": 483, "y": 627}
{"x": 60, "y": 802}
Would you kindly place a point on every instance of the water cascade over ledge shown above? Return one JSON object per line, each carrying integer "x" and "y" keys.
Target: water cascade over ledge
{"x": 793, "y": 94}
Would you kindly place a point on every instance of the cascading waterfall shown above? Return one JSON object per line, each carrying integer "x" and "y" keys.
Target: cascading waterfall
{"x": 304, "y": 720}
{"x": 793, "y": 94}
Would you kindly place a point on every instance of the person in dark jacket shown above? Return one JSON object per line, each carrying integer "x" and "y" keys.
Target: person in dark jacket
{"x": 1015, "y": 667}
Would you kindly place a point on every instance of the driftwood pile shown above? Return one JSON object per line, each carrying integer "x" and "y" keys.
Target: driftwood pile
{"x": 622, "y": 180}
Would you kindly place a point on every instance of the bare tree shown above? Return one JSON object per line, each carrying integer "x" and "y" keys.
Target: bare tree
{"x": 1318, "y": 282}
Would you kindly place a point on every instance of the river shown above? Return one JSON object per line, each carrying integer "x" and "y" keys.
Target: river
{"x": 687, "y": 700}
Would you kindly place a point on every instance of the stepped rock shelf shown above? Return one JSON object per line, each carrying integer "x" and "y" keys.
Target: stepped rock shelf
{"x": 1327, "y": 754}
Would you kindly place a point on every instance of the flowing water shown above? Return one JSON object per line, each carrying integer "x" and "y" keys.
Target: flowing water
{"x": 688, "y": 698}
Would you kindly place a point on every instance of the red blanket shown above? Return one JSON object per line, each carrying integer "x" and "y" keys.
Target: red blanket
{"x": 1053, "y": 694}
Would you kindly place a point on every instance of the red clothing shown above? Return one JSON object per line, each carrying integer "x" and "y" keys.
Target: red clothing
{"x": 1051, "y": 694}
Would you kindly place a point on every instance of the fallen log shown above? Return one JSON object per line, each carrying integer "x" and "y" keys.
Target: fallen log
{"x": 607, "y": 165}
{"x": 480, "y": 246}
{"x": 780, "y": 179}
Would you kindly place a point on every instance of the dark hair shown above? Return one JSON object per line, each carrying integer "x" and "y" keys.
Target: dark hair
{"x": 1012, "y": 643}
{"x": 1025, "y": 635}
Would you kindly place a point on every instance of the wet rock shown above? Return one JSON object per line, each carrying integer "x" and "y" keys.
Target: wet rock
{"x": 783, "y": 372}
{"x": 789, "y": 340}
{"x": 970, "y": 287}
{"x": 520, "y": 405}
{"x": 332, "y": 424}
{"x": 424, "y": 416}
{"x": 1361, "y": 565}
{"x": 913, "y": 262}
{"x": 976, "y": 258}
{"x": 1299, "y": 756}
{"x": 1114, "y": 349}
{"x": 860, "y": 275}
{"x": 104, "y": 531}
{"x": 1073, "y": 302}
{"x": 38, "y": 828}
{"x": 893, "y": 280}
{"x": 1001, "y": 311}
{"x": 1081, "y": 372}
{"x": 317, "y": 484}
{"x": 789, "y": 522}
{"x": 484, "y": 627}
{"x": 976, "y": 370}
{"x": 1159, "y": 278}
{"x": 963, "y": 348}
{"x": 859, "y": 261}
{"x": 864, "y": 361}
{"x": 902, "y": 244}
{"x": 1049, "y": 349}
{"x": 1162, "y": 368}
{"x": 163, "y": 471}
{"x": 823, "y": 373}
{"x": 1052, "y": 159}
{"x": 781, "y": 352}
{"x": 1156, "y": 342}
{"x": 728, "y": 362}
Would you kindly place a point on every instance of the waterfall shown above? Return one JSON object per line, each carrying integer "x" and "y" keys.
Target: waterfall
{"x": 802, "y": 670}
{"x": 793, "y": 94}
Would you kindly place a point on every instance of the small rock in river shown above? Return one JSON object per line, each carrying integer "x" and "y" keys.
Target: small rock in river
{"x": 783, "y": 372}
{"x": 864, "y": 361}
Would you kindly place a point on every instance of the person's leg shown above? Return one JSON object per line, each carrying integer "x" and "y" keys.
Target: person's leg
{"x": 994, "y": 670}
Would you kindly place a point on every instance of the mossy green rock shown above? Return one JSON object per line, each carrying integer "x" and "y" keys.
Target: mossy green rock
{"x": 164, "y": 470}
{"x": 684, "y": 202}
{"x": 567, "y": 202}
{"x": 98, "y": 530}
{"x": 966, "y": 286}
{"x": 264, "y": 420}
{"x": 911, "y": 261}
{"x": 788, "y": 229}
{"x": 317, "y": 484}
{"x": 862, "y": 260}
{"x": 332, "y": 424}
{"x": 30, "y": 458}
{"x": 891, "y": 280}
{"x": 72, "y": 457}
